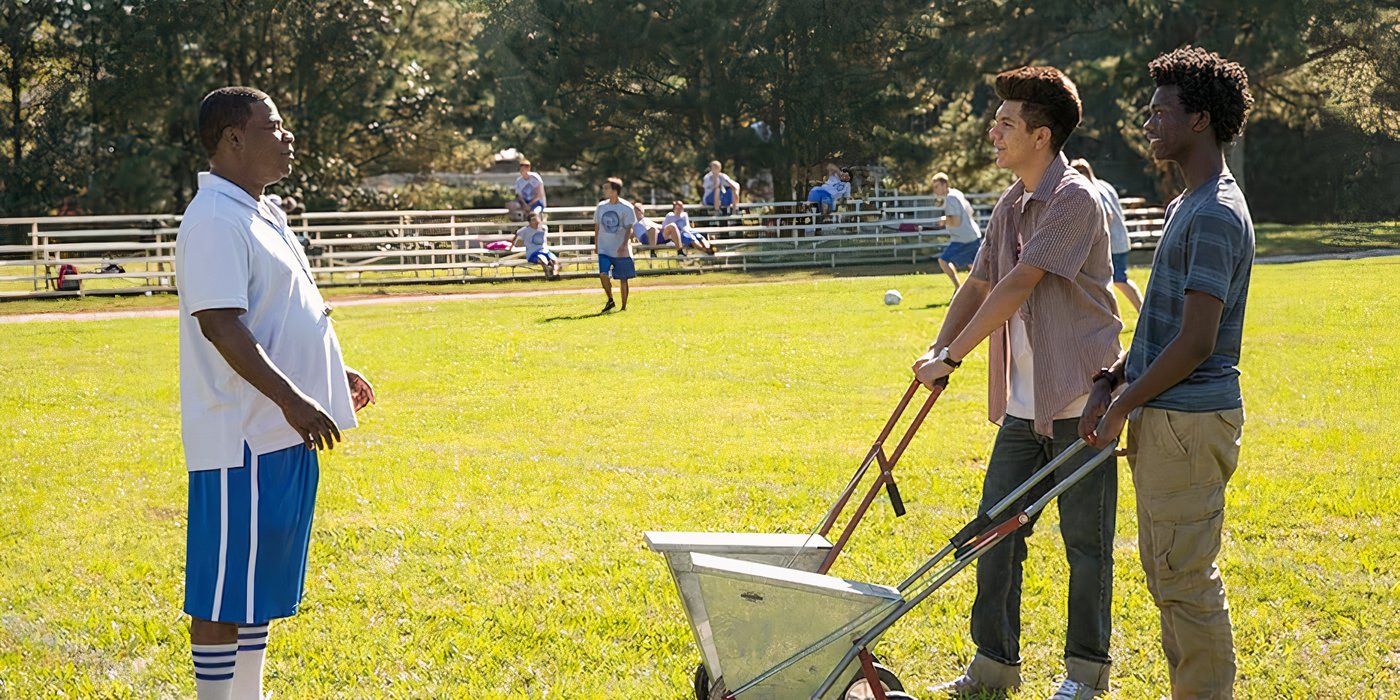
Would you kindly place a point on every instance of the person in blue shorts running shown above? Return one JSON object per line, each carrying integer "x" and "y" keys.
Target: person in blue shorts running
{"x": 964, "y": 235}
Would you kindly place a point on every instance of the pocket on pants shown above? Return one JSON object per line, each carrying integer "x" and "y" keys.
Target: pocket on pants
{"x": 1176, "y": 432}
{"x": 1158, "y": 459}
{"x": 1187, "y": 546}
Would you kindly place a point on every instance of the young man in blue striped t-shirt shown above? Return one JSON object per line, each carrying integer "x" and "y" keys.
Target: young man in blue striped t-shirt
{"x": 1182, "y": 401}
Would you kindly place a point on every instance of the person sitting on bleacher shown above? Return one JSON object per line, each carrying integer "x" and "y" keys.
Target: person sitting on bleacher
{"x": 535, "y": 237}
{"x": 721, "y": 191}
{"x": 676, "y": 227}
{"x": 529, "y": 189}
{"x": 830, "y": 193}
{"x": 650, "y": 233}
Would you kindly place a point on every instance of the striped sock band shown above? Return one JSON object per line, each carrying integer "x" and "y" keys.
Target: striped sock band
{"x": 247, "y": 678}
{"x": 213, "y": 669}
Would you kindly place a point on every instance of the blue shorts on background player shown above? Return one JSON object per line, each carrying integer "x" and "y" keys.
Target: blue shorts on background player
{"x": 960, "y": 254}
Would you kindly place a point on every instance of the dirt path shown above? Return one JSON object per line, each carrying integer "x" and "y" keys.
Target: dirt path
{"x": 375, "y": 300}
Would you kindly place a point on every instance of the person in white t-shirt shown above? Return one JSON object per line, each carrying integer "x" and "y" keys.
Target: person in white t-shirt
{"x": 263, "y": 389}
{"x": 534, "y": 235}
{"x": 676, "y": 227}
{"x": 721, "y": 191}
{"x": 612, "y": 230}
{"x": 964, "y": 235}
{"x": 830, "y": 193}
{"x": 529, "y": 190}
{"x": 650, "y": 234}
{"x": 1119, "y": 245}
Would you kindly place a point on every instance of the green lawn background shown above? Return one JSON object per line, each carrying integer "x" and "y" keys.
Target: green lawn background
{"x": 480, "y": 534}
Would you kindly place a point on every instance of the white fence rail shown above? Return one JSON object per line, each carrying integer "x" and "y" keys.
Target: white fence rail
{"x": 135, "y": 253}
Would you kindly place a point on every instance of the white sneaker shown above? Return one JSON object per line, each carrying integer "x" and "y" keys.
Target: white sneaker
{"x": 1074, "y": 690}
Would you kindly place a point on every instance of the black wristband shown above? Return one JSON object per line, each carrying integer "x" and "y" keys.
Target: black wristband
{"x": 1105, "y": 373}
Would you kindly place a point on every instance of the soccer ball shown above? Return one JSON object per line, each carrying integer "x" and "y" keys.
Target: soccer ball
{"x": 893, "y": 297}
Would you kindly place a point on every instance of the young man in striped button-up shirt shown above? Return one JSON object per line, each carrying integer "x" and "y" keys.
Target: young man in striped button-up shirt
{"x": 1040, "y": 289}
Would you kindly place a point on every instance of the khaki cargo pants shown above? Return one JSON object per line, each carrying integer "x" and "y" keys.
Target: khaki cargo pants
{"x": 1180, "y": 464}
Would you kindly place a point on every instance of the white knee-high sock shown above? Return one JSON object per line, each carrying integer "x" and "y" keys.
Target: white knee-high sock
{"x": 213, "y": 670}
{"x": 248, "y": 671}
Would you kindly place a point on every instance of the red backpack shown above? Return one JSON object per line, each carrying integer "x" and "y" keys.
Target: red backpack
{"x": 64, "y": 284}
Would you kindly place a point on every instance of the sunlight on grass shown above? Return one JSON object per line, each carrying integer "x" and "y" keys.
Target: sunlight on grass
{"x": 480, "y": 535}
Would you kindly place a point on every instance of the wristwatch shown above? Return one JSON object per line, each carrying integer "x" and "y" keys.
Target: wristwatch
{"x": 943, "y": 357}
{"x": 1105, "y": 373}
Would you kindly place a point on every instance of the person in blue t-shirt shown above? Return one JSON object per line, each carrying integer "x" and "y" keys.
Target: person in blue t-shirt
{"x": 1181, "y": 396}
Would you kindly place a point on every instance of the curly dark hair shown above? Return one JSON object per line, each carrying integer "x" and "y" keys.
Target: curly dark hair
{"x": 1207, "y": 83}
{"x": 1049, "y": 98}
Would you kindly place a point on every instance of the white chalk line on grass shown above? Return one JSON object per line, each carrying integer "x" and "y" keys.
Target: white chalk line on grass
{"x": 524, "y": 293}
{"x": 166, "y": 312}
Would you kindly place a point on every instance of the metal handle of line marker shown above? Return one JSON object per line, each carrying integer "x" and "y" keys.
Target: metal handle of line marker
{"x": 886, "y": 475}
{"x": 984, "y": 520}
{"x": 968, "y": 556}
{"x": 873, "y": 455}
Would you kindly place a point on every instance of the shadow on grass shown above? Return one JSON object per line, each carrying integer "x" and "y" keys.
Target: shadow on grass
{"x": 937, "y": 305}
{"x": 575, "y": 317}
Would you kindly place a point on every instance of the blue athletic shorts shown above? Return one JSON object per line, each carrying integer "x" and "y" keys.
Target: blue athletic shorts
{"x": 537, "y": 207}
{"x": 249, "y": 532}
{"x": 726, "y": 198}
{"x": 689, "y": 237}
{"x": 1120, "y": 266}
{"x": 821, "y": 196}
{"x": 651, "y": 238}
{"x": 544, "y": 254}
{"x": 960, "y": 254}
{"x": 619, "y": 268}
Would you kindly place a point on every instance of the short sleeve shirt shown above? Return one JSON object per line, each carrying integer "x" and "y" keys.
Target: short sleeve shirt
{"x": 1113, "y": 211}
{"x": 1207, "y": 246}
{"x": 681, "y": 220}
{"x": 528, "y": 188}
{"x": 614, "y": 222}
{"x": 1071, "y": 316}
{"x": 236, "y": 252}
{"x": 709, "y": 182}
{"x": 839, "y": 190}
{"x": 956, "y": 204}
{"x": 536, "y": 239}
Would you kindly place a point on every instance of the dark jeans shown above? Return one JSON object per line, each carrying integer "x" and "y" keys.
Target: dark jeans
{"x": 1087, "y": 515}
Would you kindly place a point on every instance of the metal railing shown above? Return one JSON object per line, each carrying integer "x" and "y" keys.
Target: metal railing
{"x": 135, "y": 253}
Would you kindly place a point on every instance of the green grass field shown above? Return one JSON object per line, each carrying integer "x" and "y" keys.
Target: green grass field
{"x": 480, "y": 535}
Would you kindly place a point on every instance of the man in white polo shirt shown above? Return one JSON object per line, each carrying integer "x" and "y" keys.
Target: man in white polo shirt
{"x": 262, "y": 387}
